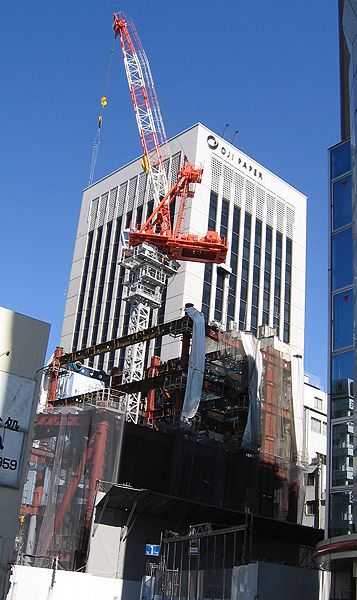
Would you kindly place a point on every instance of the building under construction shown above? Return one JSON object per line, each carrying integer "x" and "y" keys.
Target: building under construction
{"x": 229, "y": 458}
{"x": 185, "y": 436}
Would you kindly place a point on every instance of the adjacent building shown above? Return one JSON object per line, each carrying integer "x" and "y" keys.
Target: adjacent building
{"x": 315, "y": 443}
{"x": 22, "y": 354}
{"x": 261, "y": 283}
{"x": 338, "y": 552}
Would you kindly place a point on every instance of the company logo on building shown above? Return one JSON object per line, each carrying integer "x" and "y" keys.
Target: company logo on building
{"x": 238, "y": 160}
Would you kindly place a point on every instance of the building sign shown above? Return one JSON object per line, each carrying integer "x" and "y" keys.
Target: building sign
{"x": 152, "y": 550}
{"x": 193, "y": 547}
{"x": 237, "y": 159}
{"x": 16, "y": 397}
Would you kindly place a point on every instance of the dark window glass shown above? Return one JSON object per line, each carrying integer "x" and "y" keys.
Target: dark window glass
{"x": 268, "y": 262}
{"x": 340, "y": 160}
{"x": 268, "y": 239}
{"x": 343, "y": 320}
{"x": 236, "y": 220}
{"x": 139, "y": 216}
{"x": 234, "y": 262}
{"x": 286, "y": 333}
{"x": 244, "y": 290}
{"x": 254, "y": 320}
{"x": 242, "y": 314}
{"x": 342, "y": 366}
{"x": 340, "y": 513}
{"x": 267, "y": 282}
{"x": 266, "y": 297}
{"x": 91, "y": 286}
{"x": 342, "y": 259}
{"x": 113, "y": 267}
{"x": 101, "y": 284}
{"x": 82, "y": 291}
{"x": 342, "y": 203}
{"x": 129, "y": 217}
{"x": 247, "y": 226}
{"x": 206, "y": 290}
{"x": 341, "y": 407}
{"x": 342, "y": 454}
{"x": 255, "y": 296}
{"x": 224, "y": 218}
{"x": 149, "y": 209}
{"x": 246, "y": 247}
{"x": 258, "y": 233}
{"x": 212, "y": 215}
{"x": 245, "y": 266}
{"x": 219, "y": 295}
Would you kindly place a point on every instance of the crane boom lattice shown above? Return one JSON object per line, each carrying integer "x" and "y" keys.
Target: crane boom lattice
{"x": 149, "y": 257}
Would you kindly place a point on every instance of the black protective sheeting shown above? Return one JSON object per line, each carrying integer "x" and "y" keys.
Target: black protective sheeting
{"x": 149, "y": 503}
{"x": 178, "y": 464}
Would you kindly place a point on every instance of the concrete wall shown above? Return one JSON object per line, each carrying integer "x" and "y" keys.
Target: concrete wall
{"x": 22, "y": 353}
{"x": 42, "y": 584}
{"x": 273, "y": 582}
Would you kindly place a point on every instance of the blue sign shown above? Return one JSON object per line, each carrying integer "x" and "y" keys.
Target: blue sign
{"x": 152, "y": 550}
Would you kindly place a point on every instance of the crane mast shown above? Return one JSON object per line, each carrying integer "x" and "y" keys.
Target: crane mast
{"x": 151, "y": 255}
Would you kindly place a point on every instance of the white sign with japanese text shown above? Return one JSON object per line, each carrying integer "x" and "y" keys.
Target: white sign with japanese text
{"x": 16, "y": 398}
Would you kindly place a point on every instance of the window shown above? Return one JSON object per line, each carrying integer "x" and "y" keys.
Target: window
{"x": 343, "y": 320}
{"x": 340, "y": 513}
{"x": 340, "y": 159}
{"x": 310, "y": 507}
{"x": 342, "y": 453}
{"x": 315, "y": 425}
{"x": 318, "y": 403}
{"x": 82, "y": 290}
{"x": 342, "y": 203}
{"x": 206, "y": 294}
{"x": 324, "y": 428}
{"x": 311, "y": 478}
{"x": 219, "y": 295}
{"x": 212, "y": 215}
{"x": 342, "y": 366}
{"x": 341, "y": 259}
{"x": 288, "y": 258}
{"x": 224, "y": 218}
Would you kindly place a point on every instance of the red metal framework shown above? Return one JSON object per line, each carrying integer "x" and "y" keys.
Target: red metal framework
{"x": 158, "y": 229}
{"x": 145, "y": 103}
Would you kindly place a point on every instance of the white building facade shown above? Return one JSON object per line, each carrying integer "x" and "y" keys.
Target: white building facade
{"x": 315, "y": 443}
{"x": 262, "y": 281}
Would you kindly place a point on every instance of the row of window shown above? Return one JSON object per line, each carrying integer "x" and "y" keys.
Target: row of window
{"x": 222, "y": 276}
{"x": 342, "y": 359}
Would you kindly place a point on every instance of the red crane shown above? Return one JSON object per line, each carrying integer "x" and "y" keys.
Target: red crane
{"x": 158, "y": 229}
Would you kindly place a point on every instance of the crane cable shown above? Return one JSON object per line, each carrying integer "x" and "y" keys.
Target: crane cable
{"x": 103, "y": 102}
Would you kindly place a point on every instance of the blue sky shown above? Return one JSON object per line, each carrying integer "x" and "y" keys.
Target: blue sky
{"x": 269, "y": 68}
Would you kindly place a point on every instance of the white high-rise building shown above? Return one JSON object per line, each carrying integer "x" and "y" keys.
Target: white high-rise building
{"x": 262, "y": 281}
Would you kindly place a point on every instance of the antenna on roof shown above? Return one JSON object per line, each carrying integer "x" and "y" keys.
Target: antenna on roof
{"x": 234, "y": 135}
{"x": 224, "y": 130}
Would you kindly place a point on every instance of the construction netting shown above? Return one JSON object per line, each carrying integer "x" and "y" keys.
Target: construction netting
{"x": 252, "y": 399}
{"x": 241, "y": 448}
{"x": 73, "y": 448}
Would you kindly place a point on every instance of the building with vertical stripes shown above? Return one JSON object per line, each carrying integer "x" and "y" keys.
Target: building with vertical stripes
{"x": 261, "y": 283}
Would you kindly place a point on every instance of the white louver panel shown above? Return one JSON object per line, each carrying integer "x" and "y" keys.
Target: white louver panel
{"x": 215, "y": 174}
{"x": 93, "y": 213}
